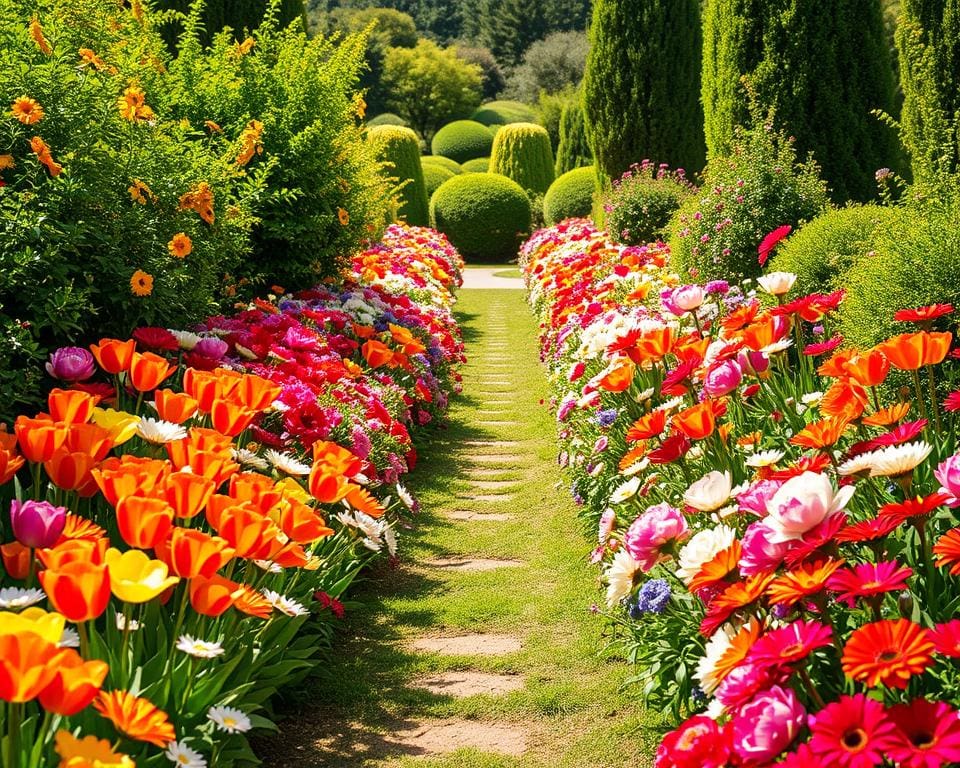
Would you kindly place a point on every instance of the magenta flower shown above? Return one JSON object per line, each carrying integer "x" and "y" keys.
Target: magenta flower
{"x": 71, "y": 364}
{"x": 37, "y": 524}
{"x": 761, "y": 554}
{"x": 927, "y": 735}
{"x": 722, "y": 378}
{"x": 767, "y": 725}
{"x": 948, "y": 473}
{"x": 650, "y": 537}
{"x": 770, "y": 242}
{"x": 211, "y": 347}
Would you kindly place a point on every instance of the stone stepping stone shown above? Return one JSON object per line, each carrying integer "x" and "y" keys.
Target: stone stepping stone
{"x": 469, "y": 645}
{"x": 493, "y": 485}
{"x": 499, "y": 423}
{"x": 463, "y": 684}
{"x": 490, "y": 443}
{"x": 493, "y": 458}
{"x": 471, "y": 565}
{"x": 465, "y": 515}
{"x": 434, "y": 737}
{"x": 482, "y": 472}
{"x": 492, "y": 498}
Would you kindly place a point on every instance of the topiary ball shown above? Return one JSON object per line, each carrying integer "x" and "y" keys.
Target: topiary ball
{"x": 399, "y": 149}
{"x": 387, "y": 118}
{"x": 443, "y": 162}
{"x": 434, "y": 176}
{"x": 462, "y": 140}
{"x": 486, "y": 216}
{"x": 522, "y": 152}
{"x": 571, "y": 195}
{"x": 504, "y": 112}
{"x": 480, "y": 165}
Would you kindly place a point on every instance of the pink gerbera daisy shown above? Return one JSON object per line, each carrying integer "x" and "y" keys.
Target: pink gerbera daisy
{"x": 802, "y": 758}
{"x": 927, "y": 734}
{"x": 770, "y": 242}
{"x": 946, "y": 638}
{"x": 853, "y": 732}
{"x": 867, "y": 580}
{"x": 790, "y": 644}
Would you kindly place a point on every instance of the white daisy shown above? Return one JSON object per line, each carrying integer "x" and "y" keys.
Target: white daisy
{"x": 69, "y": 639}
{"x": 702, "y": 547}
{"x": 406, "y": 497}
{"x": 625, "y": 491}
{"x": 199, "y": 649}
{"x": 671, "y": 404}
{"x": 764, "y": 459}
{"x": 268, "y": 565}
{"x": 229, "y": 719}
{"x": 158, "y": 431}
{"x": 372, "y": 544}
{"x": 370, "y": 526}
{"x": 637, "y": 467}
{"x": 620, "y": 577}
{"x": 182, "y": 756}
{"x": 645, "y": 395}
{"x": 390, "y": 539}
{"x": 777, "y": 346}
{"x": 16, "y": 598}
{"x": 286, "y": 463}
{"x": 185, "y": 339}
{"x": 898, "y": 460}
{"x": 717, "y": 646}
{"x": 122, "y": 623}
{"x": 812, "y": 399}
{"x": 857, "y": 465}
{"x": 250, "y": 459}
{"x": 285, "y": 604}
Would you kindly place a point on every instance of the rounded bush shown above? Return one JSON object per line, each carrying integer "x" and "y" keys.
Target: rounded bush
{"x": 521, "y": 151}
{"x": 462, "y": 140}
{"x": 486, "y": 216}
{"x": 443, "y": 162}
{"x": 825, "y": 248}
{"x": 504, "y": 112}
{"x": 479, "y": 165}
{"x": 434, "y": 175}
{"x": 399, "y": 149}
{"x": 387, "y": 118}
{"x": 640, "y": 203}
{"x": 571, "y": 195}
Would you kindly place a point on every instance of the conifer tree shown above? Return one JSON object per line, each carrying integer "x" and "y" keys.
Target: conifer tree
{"x": 239, "y": 15}
{"x": 573, "y": 151}
{"x": 508, "y": 27}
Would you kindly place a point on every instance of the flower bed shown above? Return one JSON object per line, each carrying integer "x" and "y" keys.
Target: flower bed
{"x": 775, "y": 511}
{"x": 194, "y": 505}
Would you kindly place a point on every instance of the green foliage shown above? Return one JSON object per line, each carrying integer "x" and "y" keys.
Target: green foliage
{"x": 477, "y": 165}
{"x": 509, "y": 27}
{"x": 571, "y": 195}
{"x": 399, "y": 150}
{"x": 444, "y": 162}
{"x": 462, "y": 140}
{"x": 823, "y": 65}
{"x": 742, "y": 198}
{"x": 504, "y": 112}
{"x": 485, "y": 215}
{"x": 642, "y": 84}
{"x": 493, "y": 78}
{"x": 386, "y": 118}
{"x": 521, "y": 151}
{"x": 573, "y": 149}
{"x": 928, "y": 39}
{"x": 640, "y": 204}
{"x": 549, "y": 111}
{"x": 434, "y": 175}
{"x": 553, "y": 64}
{"x": 430, "y": 86}
{"x": 824, "y": 249}
{"x": 241, "y": 16}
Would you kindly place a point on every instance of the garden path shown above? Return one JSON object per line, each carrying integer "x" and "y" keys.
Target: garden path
{"x": 479, "y": 649}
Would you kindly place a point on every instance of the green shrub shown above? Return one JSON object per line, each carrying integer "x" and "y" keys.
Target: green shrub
{"x": 825, "y": 248}
{"x": 485, "y": 215}
{"x": 521, "y": 151}
{"x": 477, "y": 165}
{"x": 573, "y": 149}
{"x": 492, "y": 74}
{"x": 571, "y": 195}
{"x": 550, "y": 108}
{"x": 443, "y": 162}
{"x": 462, "y": 140}
{"x": 552, "y": 65}
{"x": 504, "y": 112}
{"x": 434, "y": 175}
{"x": 640, "y": 204}
{"x": 399, "y": 150}
{"x": 742, "y": 198}
{"x": 387, "y": 118}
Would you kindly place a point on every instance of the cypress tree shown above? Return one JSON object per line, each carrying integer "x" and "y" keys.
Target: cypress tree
{"x": 641, "y": 90}
{"x": 823, "y": 65}
{"x": 928, "y": 40}
{"x": 508, "y": 27}
{"x": 573, "y": 151}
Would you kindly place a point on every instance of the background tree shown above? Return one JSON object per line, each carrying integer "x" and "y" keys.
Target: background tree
{"x": 928, "y": 38}
{"x": 239, "y": 15}
{"x": 823, "y": 65}
{"x": 493, "y": 78}
{"x": 573, "y": 149}
{"x": 429, "y": 86}
{"x": 509, "y": 27}
{"x": 641, "y": 88}
{"x": 552, "y": 64}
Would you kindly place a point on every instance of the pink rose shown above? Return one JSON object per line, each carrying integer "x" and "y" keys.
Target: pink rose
{"x": 722, "y": 378}
{"x": 755, "y": 498}
{"x": 651, "y": 534}
{"x": 767, "y": 725}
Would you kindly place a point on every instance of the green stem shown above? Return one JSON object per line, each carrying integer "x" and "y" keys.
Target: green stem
{"x": 13, "y": 735}
{"x": 84, "y": 639}
{"x": 919, "y": 392}
{"x": 933, "y": 400}
{"x": 125, "y": 643}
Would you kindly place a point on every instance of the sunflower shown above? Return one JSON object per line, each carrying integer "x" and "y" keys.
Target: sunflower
{"x": 180, "y": 245}
{"x": 888, "y": 652}
{"x": 141, "y": 283}
{"x": 28, "y": 111}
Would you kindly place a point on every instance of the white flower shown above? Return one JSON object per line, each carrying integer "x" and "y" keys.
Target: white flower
{"x": 200, "y": 649}
{"x": 637, "y": 467}
{"x": 390, "y": 539}
{"x": 764, "y": 458}
{"x": 856, "y": 465}
{"x": 185, "y": 339}
{"x": 777, "y": 283}
{"x": 284, "y": 604}
{"x": 671, "y": 404}
{"x": 372, "y": 544}
{"x": 701, "y": 548}
{"x": 802, "y": 503}
{"x": 898, "y": 460}
{"x": 69, "y": 639}
{"x": 777, "y": 346}
{"x": 625, "y": 491}
{"x": 710, "y": 492}
{"x": 368, "y": 525}
{"x": 645, "y": 395}
{"x": 250, "y": 459}
{"x": 620, "y": 576}
{"x": 717, "y": 646}
{"x": 268, "y": 565}
{"x": 229, "y": 719}
{"x": 245, "y": 352}
{"x": 406, "y": 497}
{"x": 159, "y": 432}
{"x": 812, "y": 399}
{"x": 122, "y": 623}
{"x": 16, "y": 598}
{"x": 287, "y": 463}
{"x": 182, "y": 756}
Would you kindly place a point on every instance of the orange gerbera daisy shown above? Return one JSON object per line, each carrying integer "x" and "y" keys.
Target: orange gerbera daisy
{"x": 28, "y": 111}
{"x": 718, "y": 568}
{"x": 180, "y": 245}
{"x": 887, "y": 416}
{"x": 740, "y": 646}
{"x": 820, "y": 434}
{"x": 806, "y": 580}
{"x": 632, "y": 456}
{"x": 136, "y": 717}
{"x": 887, "y": 652}
{"x": 647, "y": 426}
{"x": 141, "y": 283}
{"x": 947, "y": 550}
{"x": 733, "y": 598}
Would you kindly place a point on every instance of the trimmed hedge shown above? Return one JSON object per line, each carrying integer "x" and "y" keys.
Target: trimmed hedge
{"x": 485, "y": 215}
{"x": 478, "y": 165}
{"x": 504, "y": 112}
{"x": 399, "y": 149}
{"x": 387, "y": 118}
{"x": 462, "y": 140}
{"x": 443, "y": 162}
{"x": 571, "y": 195}
{"x": 521, "y": 151}
{"x": 434, "y": 176}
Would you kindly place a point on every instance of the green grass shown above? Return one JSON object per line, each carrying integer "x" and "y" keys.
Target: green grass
{"x": 508, "y": 273}
{"x": 571, "y": 706}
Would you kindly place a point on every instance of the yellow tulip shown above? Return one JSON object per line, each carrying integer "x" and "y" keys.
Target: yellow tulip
{"x": 89, "y": 751}
{"x": 135, "y": 578}
{"x": 120, "y": 424}
{"x": 48, "y": 625}
{"x": 293, "y": 490}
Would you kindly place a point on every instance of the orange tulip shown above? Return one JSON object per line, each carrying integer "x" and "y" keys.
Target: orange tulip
{"x": 91, "y": 439}
{"x": 290, "y": 555}
{"x": 16, "y": 560}
{"x": 129, "y": 476}
{"x": 869, "y": 368}
{"x": 72, "y": 406}
{"x": 136, "y": 717}
{"x": 75, "y": 684}
{"x": 256, "y": 392}
{"x": 229, "y": 418}
{"x": 79, "y": 590}
{"x": 27, "y": 665}
{"x": 327, "y": 484}
{"x": 910, "y": 351}
{"x": 70, "y": 471}
{"x": 148, "y": 371}
{"x": 655, "y": 344}
{"x": 175, "y": 407}
{"x": 143, "y": 522}
{"x": 301, "y": 523}
{"x": 698, "y": 421}
{"x": 10, "y": 464}
{"x": 203, "y": 387}
{"x": 114, "y": 355}
{"x": 214, "y": 595}
{"x": 213, "y": 466}
{"x": 376, "y": 353}
{"x": 846, "y": 399}
{"x": 336, "y": 456}
{"x": 39, "y": 438}
{"x": 187, "y": 492}
{"x": 74, "y": 551}
{"x": 259, "y": 489}
{"x": 190, "y": 553}
{"x": 619, "y": 376}
{"x": 248, "y": 531}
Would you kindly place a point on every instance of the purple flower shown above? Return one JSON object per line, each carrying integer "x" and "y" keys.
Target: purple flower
{"x": 717, "y": 286}
{"x": 37, "y": 524}
{"x": 211, "y": 347}
{"x": 653, "y": 596}
{"x": 71, "y": 364}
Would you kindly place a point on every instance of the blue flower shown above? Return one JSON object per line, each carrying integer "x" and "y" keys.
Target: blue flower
{"x": 653, "y": 596}
{"x": 607, "y": 417}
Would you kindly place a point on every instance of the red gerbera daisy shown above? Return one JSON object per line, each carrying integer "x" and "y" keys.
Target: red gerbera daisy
{"x": 867, "y": 580}
{"x": 927, "y": 735}
{"x": 673, "y": 382}
{"x": 947, "y": 550}
{"x": 159, "y": 339}
{"x": 951, "y": 402}
{"x": 888, "y": 652}
{"x": 867, "y": 530}
{"x": 816, "y": 539}
{"x": 770, "y": 242}
{"x": 946, "y": 638}
{"x": 853, "y": 732}
{"x": 670, "y": 449}
{"x": 914, "y": 510}
{"x": 922, "y": 314}
{"x": 822, "y": 347}
{"x": 815, "y": 463}
{"x": 791, "y": 643}
{"x": 802, "y": 758}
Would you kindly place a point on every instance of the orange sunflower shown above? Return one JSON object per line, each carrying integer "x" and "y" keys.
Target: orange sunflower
{"x": 28, "y": 111}
{"x": 180, "y": 245}
{"x": 802, "y": 582}
{"x": 136, "y": 717}
{"x": 888, "y": 652}
{"x": 141, "y": 283}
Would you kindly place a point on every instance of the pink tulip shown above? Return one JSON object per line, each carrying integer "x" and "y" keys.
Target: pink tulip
{"x": 948, "y": 473}
{"x": 767, "y": 725}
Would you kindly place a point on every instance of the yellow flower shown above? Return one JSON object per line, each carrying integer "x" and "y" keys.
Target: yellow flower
{"x": 343, "y": 216}
{"x": 136, "y": 8}
{"x": 250, "y": 142}
{"x": 141, "y": 283}
{"x": 199, "y": 199}
{"x": 180, "y": 245}
{"x": 140, "y": 192}
{"x": 49, "y": 626}
{"x": 89, "y": 58}
{"x": 6, "y": 161}
{"x": 88, "y": 752}
{"x": 28, "y": 111}
{"x": 120, "y": 424}
{"x": 291, "y": 489}
{"x": 133, "y": 106}
{"x": 36, "y": 32}
{"x": 135, "y": 578}
{"x": 361, "y": 106}
{"x": 212, "y": 126}
{"x": 246, "y": 46}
